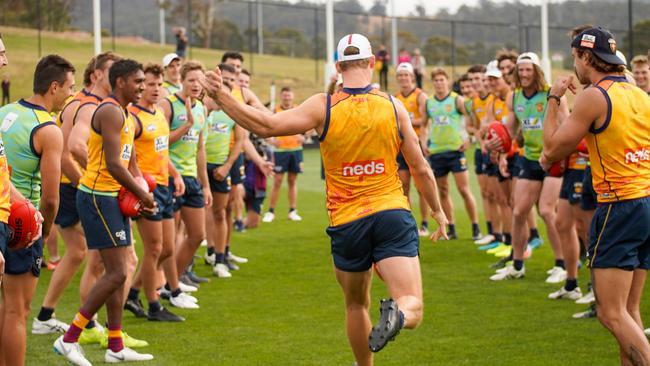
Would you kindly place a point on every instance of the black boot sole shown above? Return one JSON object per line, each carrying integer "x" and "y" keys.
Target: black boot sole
{"x": 387, "y": 328}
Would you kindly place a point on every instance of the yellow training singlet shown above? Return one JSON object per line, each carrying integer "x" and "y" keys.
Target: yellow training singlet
{"x": 619, "y": 151}
{"x": 152, "y": 142}
{"x": 500, "y": 110}
{"x": 73, "y": 99}
{"x": 479, "y": 107}
{"x": 5, "y": 184}
{"x": 97, "y": 179}
{"x": 411, "y": 104}
{"x": 358, "y": 145}
{"x": 287, "y": 143}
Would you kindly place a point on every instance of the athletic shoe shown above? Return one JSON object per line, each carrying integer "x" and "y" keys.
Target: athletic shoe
{"x": 268, "y": 217}
{"x": 510, "y": 273}
{"x": 204, "y": 243}
{"x": 388, "y": 327}
{"x": 183, "y": 302}
{"x": 164, "y": 315}
{"x": 535, "y": 243}
{"x": 71, "y": 351}
{"x": 529, "y": 252}
{"x": 186, "y": 288}
{"x": 646, "y": 332}
{"x": 501, "y": 263}
{"x": 504, "y": 253}
{"x": 233, "y": 258}
{"x": 557, "y": 275}
{"x": 221, "y": 270}
{"x": 423, "y": 232}
{"x": 189, "y": 297}
{"x": 239, "y": 226}
{"x": 497, "y": 249}
{"x": 452, "y": 236}
{"x": 128, "y": 342}
{"x": 293, "y": 216}
{"x": 487, "y": 239}
{"x": 492, "y": 245}
{"x": 50, "y": 326}
{"x": 562, "y": 293}
{"x": 185, "y": 279}
{"x": 232, "y": 266}
{"x": 126, "y": 355}
{"x": 210, "y": 259}
{"x": 591, "y": 313}
{"x": 96, "y": 334}
{"x": 51, "y": 265}
{"x": 135, "y": 306}
{"x": 588, "y": 298}
{"x": 477, "y": 236}
{"x": 196, "y": 278}
{"x": 164, "y": 293}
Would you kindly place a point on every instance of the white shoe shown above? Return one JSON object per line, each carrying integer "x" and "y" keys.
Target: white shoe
{"x": 647, "y": 332}
{"x": 558, "y": 275}
{"x": 487, "y": 239}
{"x": 49, "y": 326}
{"x": 424, "y": 232}
{"x": 189, "y": 297}
{"x": 268, "y": 217}
{"x": 293, "y": 216}
{"x": 509, "y": 274}
{"x": 126, "y": 355}
{"x": 562, "y": 293}
{"x": 221, "y": 270}
{"x": 587, "y": 299}
{"x": 210, "y": 259}
{"x": 71, "y": 351}
{"x": 186, "y": 288}
{"x": 233, "y": 258}
{"x": 204, "y": 243}
{"x": 182, "y": 302}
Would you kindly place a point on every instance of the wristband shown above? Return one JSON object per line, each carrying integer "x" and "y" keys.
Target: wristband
{"x": 551, "y": 96}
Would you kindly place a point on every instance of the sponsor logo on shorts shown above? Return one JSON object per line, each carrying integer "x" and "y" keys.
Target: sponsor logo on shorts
{"x": 637, "y": 156}
{"x": 364, "y": 168}
{"x": 121, "y": 235}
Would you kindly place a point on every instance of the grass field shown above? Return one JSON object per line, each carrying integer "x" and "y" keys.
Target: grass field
{"x": 285, "y": 308}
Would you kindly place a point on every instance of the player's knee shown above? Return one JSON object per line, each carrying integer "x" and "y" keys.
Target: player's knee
{"x": 116, "y": 277}
{"x": 466, "y": 193}
{"x": 610, "y": 317}
{"x": 547, "y": 214}
{"x": 77, "y": 255}
{"x": 154, "y": 251}
{"x": 220, "y": 215}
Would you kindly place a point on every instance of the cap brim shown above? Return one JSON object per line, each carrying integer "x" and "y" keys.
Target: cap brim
{"x": 609, "y": 58}
{"x": 493, "y": 74}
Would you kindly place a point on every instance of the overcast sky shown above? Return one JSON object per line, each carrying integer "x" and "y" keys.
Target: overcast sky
{"x": 405, "y": 7}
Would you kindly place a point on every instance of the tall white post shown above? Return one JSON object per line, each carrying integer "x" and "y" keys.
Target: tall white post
{"x": 329, "y": 30}
{"x": 260, "y": 28}
{"x": 393, "y": 32}
{"x": 161, "y": 22}
{"x": 546, "y": 60}
{"x": 97, "y": 26}
{"x": 272, "y": 96}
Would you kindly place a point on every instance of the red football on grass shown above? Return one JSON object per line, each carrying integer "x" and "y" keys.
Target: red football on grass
{"x": 23, "y": 222}
{"x": 497, "y": 129}
{"x": 151, "y": 181}
{"x": 557, "y": 169}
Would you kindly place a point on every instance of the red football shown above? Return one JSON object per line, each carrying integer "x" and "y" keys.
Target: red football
{"x": 23, "y": 222}
{"x": 557, "y": 169}
{"x": 129, "y": 203}
{"x": 582, "y": 147}
{"x": 151, "y": 181}
{"x": 497, "y": 129}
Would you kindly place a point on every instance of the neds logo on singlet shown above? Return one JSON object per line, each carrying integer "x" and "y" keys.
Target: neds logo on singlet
{"x": 637, "y": 156}
{"x": 364, "y": 168}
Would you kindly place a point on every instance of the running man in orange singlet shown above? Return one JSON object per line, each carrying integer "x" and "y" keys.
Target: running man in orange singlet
{"x": 370, "y": 219}
{"x": 614, "y": 116}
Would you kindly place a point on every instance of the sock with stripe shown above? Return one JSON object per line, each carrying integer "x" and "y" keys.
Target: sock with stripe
{"x": 115, "y": 342}
{"x": 78, "y": 324}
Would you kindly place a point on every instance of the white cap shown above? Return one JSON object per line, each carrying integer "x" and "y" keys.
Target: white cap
{"x": 354, "y": 40}
{"x": 169, "y": 58}
{"x": 528, "y": 58}
{"x": 492, "y": 69}
{"x": 621, "y": 56}
{"x": 339, "y": 79}
{"x": 405, "y": 66}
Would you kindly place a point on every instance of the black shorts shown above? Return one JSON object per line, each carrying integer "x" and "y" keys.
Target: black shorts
{"x": 531, "y": 170}
{"x": 360, "y": 243}
{"x": 219, "y": 186}
{"x": 103, "y": 223}
{"x": 516, "y": 166}
{"x": 451, "y": 161}
{"x": 165, "y": 202}
{"x": 4, "y": 238}
{"x": 254, "y": 200}
{"x": 26, "y": 260}
{"x": 67, "y": 215}
{"x": 511, "y": 167}
{"x": 237, "y": 172}
{"x": 193, "y": 196}
{"x": 478, "y": 161}
{"x": 588, "y": 199}
{"x": 619, "y": 236}
{"x": 572, "y": 186}
{"x": 288, "y": 161}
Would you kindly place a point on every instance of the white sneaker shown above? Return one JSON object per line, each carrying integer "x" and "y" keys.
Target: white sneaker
{"x": 189, "y": 297}
{"x": 210, "y": 259}
{"x": 647, "y": 332}
{"x": 71, "y": 351}
{"x": 186, "y": 288}
{"x": 558, "y": 275}
{"x": 268, "y": 217}
{"x": 424, "y": 232}
{"x": 182, "y": 302}
{"x": 487, "y": 239}
{"x": 293, "y": 216}
{"x": 204, "y": 243}
{"x": 49, "y": 326}
{"x": 562, "y": 293}
{"x": 221, "y": 270}
{"x": 509, "y": 274}
{"x": 233, "y": 258}
{"x": 587, "y": 299}
{"x": 126, "y": 355}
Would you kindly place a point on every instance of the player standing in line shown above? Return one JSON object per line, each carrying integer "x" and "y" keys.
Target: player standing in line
{"x": 614, "y": 116}
{"x": 641, "y": 71}
{"x": 412, "y": 98}
{"x": 369, "y": 218}
{"x": 33, "y": 146}
{"x": 444, "y": 141}
{"x": 172, "y": 80}
{"x": 526, "y": 109}
{"x": 157, "y": 231}
{"x": 245, "y": 79}
{"x": 67, "y": 218}
{"x": 507, "y": 60}
{"x": 288, "y": 158}
{"x": 111, "y": 165}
